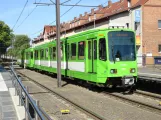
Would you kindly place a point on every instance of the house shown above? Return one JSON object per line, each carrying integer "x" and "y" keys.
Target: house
{"x": 143, "y": 16}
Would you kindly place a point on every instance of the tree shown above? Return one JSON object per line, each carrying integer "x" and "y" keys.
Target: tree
{"x": 5, "y": 37}
{"x": 21, "y": 42}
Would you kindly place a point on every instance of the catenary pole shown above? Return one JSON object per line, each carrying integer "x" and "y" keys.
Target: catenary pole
{"x": 58, "y": 43}
{"x": 12, "y": 49}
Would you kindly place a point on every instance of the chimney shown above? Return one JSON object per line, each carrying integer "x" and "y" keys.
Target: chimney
{"x": 92, "y": 10}
{"x": 80, "y": 15}
{"x": 109, "y": 3}
{"x": 100, "y": 7}
{"x": 129, "y": 3}
{"x": 85, "y": 13}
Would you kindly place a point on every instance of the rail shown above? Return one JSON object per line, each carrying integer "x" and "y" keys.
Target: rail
{"x": 149, "y": 78}
{"x": 19, "y": 89}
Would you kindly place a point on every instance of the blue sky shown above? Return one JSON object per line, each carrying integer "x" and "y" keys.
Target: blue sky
{"x": 42, "y": 15}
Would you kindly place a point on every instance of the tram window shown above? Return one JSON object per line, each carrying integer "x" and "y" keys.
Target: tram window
{"x": 54, "y": 53}
{"x": 35, "y": 54}
{"x": 102, "y": 49}
{"x": 31, "y": 53}
{"x": 81, "y": 50}
{"x": 61, "y": 51}
{"x": 42, "y": 54}
{"x": 73, "y": 50}
{"x": 68, "y": 51}
{"x": 51, "y": 52}
{"x": 26, "y": 55}
{"x": 95, "y": 49}
{"x": 38, "y": 54}
{"x": 89, "y": 49}
{"x": 46, "y": 53}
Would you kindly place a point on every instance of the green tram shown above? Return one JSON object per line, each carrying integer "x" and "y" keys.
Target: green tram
{"x": 100, "y": 56}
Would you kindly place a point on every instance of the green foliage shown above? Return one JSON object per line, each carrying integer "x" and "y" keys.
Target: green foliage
{"x": 21, "y": 42}
{"x": 5, "y": 37}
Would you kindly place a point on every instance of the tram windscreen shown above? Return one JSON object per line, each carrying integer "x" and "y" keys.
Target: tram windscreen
{"x": 121, "y": 46}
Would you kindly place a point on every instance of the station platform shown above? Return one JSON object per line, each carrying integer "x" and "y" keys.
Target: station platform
{"x": 7, "y": 110}
{"x": 153, "y": 73}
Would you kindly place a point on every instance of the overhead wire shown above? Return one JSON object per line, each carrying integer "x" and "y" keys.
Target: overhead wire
{"x": 65, "y": 2}
{"x": 20, "y": 15}
{"x": 60, "y": 16}
{"x": 27, "y": 16}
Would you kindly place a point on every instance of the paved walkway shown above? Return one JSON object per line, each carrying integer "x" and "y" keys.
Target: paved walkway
{"x": 7, "y": 110}
{"x": 150, "y": 71}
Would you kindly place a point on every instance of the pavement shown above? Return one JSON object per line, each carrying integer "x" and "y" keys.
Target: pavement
{"x": 7, "y": 110}
{"x": 153, "y": 71}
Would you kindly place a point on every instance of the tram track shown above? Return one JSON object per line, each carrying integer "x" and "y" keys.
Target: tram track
{"x": 88, "y": 112}
{"x": 147, "y": 94}
{"x": 142, "y": 105}
{"x": 137, "y": 103}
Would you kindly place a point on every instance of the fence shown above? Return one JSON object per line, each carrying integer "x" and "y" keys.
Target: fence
{"x": 26, "y": 100}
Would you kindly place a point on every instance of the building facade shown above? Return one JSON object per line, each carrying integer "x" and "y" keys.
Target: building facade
{"x": 142, "y": 16}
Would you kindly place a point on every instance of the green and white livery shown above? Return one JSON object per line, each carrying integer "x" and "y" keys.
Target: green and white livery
{"x": 101, "y": 56}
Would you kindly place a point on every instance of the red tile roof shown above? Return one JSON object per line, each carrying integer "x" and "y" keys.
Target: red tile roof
{"x": 49, "y": 28}
{"x": 105, "y": 12}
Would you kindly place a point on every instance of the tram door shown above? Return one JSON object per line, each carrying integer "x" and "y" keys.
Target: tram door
{"x": 92, "y": 56}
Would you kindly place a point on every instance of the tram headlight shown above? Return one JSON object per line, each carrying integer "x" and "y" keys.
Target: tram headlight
{"x": 132, "y": 70}
{"x": 113, "y": 71}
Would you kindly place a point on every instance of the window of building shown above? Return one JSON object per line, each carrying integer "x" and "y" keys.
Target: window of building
{"x": 159, "y": 48}
{"x": 137, "y": 24}
{"x": 159, "y": 24}
{"x": 73, "y": 50}
{"x": 127, "y": 25}
{"x": 42, "y": 54}
{"x": 102, "y": 49}
{"x": 81, "y": 50}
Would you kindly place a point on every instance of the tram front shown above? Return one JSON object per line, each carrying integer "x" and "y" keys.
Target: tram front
{"x": 122, "y": 63}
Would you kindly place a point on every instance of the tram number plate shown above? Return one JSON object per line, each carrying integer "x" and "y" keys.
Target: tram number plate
{"x": 129, "y": 81}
